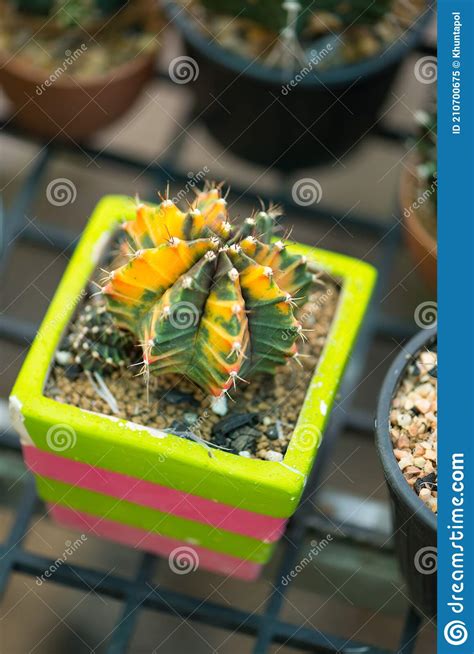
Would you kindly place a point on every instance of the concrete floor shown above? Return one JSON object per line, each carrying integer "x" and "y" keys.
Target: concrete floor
{"x": 368, "y": 606}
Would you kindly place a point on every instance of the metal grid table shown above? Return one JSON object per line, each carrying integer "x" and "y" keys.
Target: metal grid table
{"x": 266, "y": 628}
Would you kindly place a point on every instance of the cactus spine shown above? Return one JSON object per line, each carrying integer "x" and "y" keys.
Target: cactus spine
{"x": 206, "y": 300}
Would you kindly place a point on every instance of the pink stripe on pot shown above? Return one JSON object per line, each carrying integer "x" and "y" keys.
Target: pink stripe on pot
{"x": 192, "y": 556}
{"x": 154, "y": 496}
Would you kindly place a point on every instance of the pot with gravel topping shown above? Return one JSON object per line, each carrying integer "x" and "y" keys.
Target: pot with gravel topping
{"x": 406, "y": 438}
{"x": 208, "y": 451}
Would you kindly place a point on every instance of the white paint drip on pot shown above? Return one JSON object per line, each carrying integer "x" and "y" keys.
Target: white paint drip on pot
{"x": 18, "y": 420}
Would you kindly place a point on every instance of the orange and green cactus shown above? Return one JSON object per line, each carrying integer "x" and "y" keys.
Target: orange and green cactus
{"x": 204, "y": 299}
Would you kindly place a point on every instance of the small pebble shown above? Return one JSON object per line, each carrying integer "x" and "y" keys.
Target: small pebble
{"x": 405, "y": 462}
{"x": 273, "y": 456}
{"x": 219, "y": 405}
{"x": 425, "y": 494}
{"x": 423, "y": 405}
{"x": 404, "y": 419}
{"x": 190, "y": 418}
{"x": 63, "y": 357}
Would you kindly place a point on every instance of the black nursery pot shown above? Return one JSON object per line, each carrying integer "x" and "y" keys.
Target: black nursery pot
{"x": 414, "y": 523}
{"x": 255, "y": 112}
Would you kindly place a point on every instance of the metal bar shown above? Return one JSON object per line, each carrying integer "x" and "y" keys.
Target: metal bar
{"x": 14, "y": 218}
{"x": 48, "y": 236}
{"x": 390, "y": 328}
{"x": 16, "y": 330}
{"x": 9, "y": 551}
{"x": 189, "y": 608}
{"x": 410, "y": 632}
{"x": 123, "y": 632}
{"x": 315, "y": 641}
{"x": 294, "y": 538}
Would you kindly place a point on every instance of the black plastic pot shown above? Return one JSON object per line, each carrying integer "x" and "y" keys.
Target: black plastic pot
{"x": 246, "y": 107}
{"x": 414, "y": 523}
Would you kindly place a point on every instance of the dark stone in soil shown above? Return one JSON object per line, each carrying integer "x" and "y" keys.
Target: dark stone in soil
{"x": 174, "y": 396}
{"x": 433, "y": 372}
{"x": 73, "y": 372}
{"x": 429, "y": 481}
{"x": 242, "y": 439}
{"x": 275, "y": 432}
{"x": 230, "y": 423}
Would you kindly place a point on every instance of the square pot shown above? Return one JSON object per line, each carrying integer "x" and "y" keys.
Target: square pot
{"x": 154, "y": 490}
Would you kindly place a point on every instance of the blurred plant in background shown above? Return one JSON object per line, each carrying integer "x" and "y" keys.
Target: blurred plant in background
{"x": 295, "y": 29}
{"x": 45, "y": 33}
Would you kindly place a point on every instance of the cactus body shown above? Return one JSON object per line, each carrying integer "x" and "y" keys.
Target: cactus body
{"x": 205, "y": 300}
{"x": 96, "y": 344}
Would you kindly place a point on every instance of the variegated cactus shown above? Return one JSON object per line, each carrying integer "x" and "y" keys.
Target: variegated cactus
{"x": 205, "y": 300}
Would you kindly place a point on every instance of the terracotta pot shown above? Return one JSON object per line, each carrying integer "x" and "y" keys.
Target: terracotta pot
{"x": 421, "y": 244}
{"x": 68, "y": 108}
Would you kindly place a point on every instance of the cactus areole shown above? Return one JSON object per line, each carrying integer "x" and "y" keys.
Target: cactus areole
{"x": 204, "y": 299}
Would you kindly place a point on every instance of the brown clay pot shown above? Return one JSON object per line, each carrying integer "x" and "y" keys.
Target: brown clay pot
{"x": 68, "y": 108}
{"x": 420, "y": 242}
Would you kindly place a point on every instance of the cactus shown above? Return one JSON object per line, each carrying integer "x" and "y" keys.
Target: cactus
{"x": 273, "y": 14}
{"x": 96, "y": 344}
{"x": 204, "y": 299}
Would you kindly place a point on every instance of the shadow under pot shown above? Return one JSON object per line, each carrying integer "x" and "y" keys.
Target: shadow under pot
{"x": 414, "y": 524}
{"x": 288, "y": 120}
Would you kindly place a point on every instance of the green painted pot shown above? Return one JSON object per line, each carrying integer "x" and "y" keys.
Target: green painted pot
{"x": 105, "y": 473}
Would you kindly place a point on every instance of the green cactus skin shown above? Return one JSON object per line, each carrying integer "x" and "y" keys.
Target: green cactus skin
{"x": 206, "y": 300}
{"x": 95, "y": 342}
{"x": 273, "y": 15}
